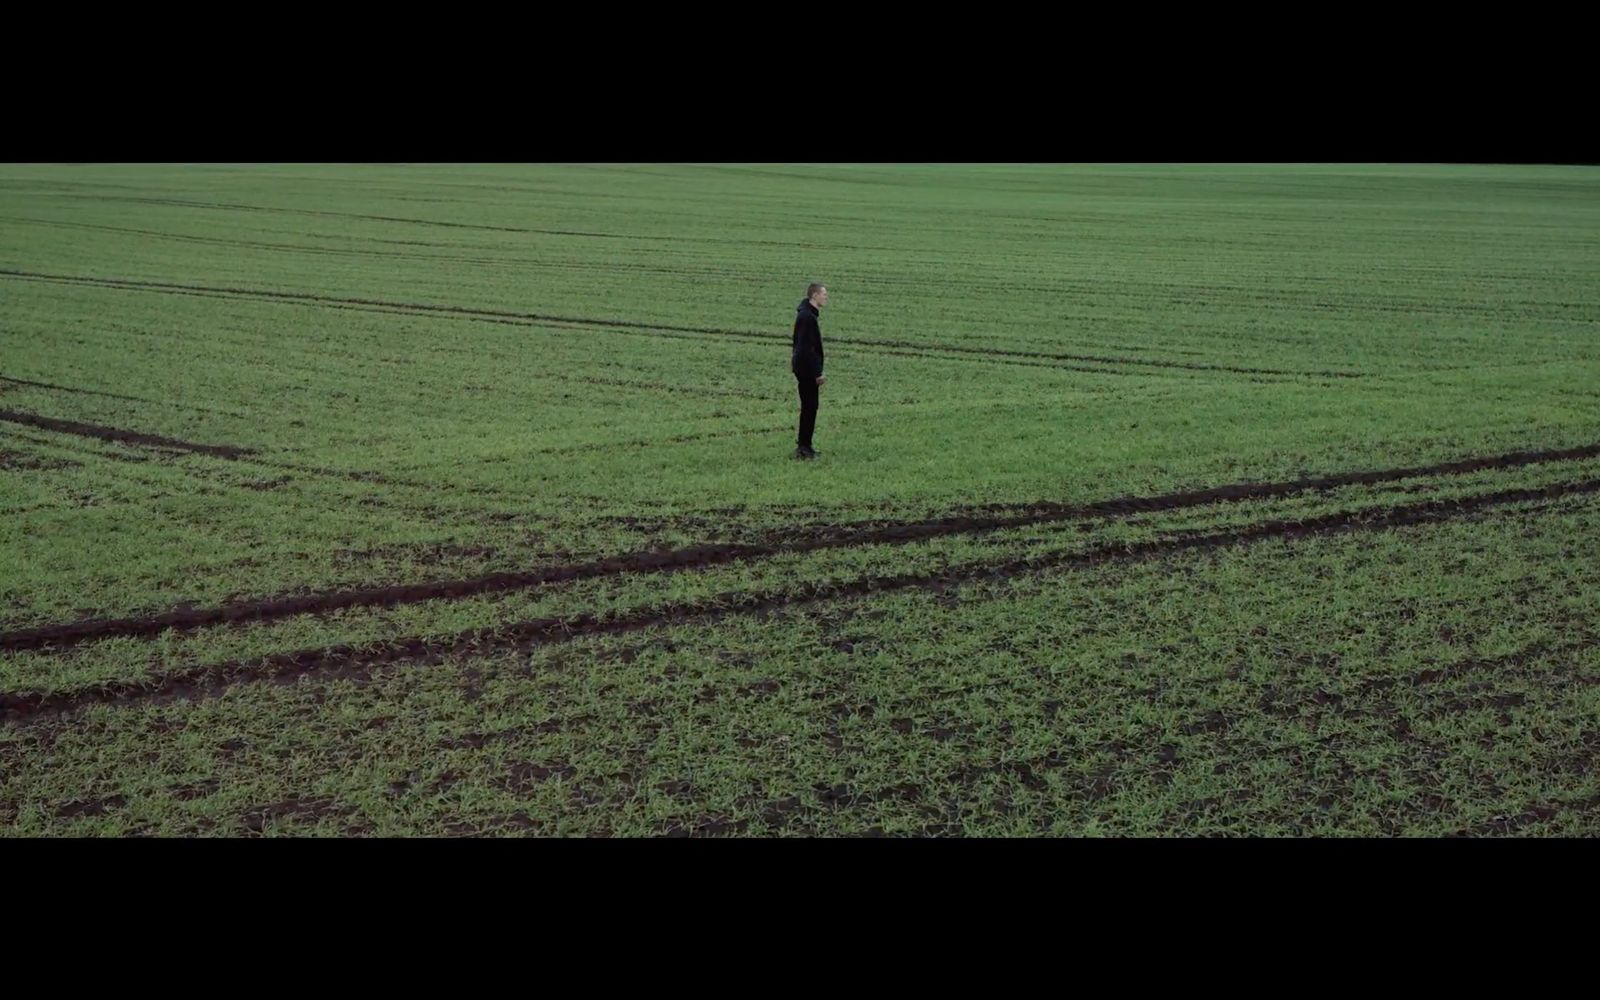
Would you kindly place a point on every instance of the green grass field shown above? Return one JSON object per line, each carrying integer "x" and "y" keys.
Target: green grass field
{"x": 1153, "y": 500}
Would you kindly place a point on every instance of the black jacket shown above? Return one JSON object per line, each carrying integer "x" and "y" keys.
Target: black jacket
{"x": 806, "y": 358}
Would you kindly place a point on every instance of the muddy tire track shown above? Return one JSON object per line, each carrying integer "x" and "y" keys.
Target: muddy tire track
{"x": 346, "y": 660}
{"x": 120, "y": 436}
{"x": 23, "y": 462}
{"x": 641, "y": 384}
{"x": 52, "y": 387}
{"x": 891, "y": 346}
{"x": 711, "y": 555}
{"x": 519, "y": 263}
{"x": 576, "y": 449}
{"x": 281, "y": 607}
{"x": 1235, "y": 492}
{"x": 185, "y": 203}
{"x": 1506, "y": 825}
{"x": 234, "y": 207}
{"x": 232, "y": 452}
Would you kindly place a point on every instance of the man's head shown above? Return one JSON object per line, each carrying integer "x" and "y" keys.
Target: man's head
{"x": 818, "y": 294}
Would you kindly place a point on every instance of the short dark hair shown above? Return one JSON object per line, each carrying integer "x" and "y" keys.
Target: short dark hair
{"x": 814, "y": 288}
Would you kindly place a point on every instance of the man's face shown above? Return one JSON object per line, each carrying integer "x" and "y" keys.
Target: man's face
{"x": 820, "y": 299}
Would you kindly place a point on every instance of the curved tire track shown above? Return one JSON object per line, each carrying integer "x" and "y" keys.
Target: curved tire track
{"x": 347, "y": 660}
{"x": 53, "y": 387}
{"x": 120, "y": 436}
{"x": 506, "y": 315}
{"x": 705, "y": 556}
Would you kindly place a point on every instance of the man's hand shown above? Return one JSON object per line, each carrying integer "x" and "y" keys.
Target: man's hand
{"x": 821, "y": 379}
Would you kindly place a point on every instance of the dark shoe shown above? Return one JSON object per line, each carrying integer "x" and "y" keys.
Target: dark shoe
{"x": 804, "y": 453}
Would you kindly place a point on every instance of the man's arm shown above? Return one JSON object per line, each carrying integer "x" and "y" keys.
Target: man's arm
{"x": 811, "y": 345}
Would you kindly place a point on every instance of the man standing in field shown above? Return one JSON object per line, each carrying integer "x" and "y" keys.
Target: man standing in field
{"x": 806, "y": 363}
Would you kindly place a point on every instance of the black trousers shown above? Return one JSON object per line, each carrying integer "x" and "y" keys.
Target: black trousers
{"x": 808, "y": 408}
